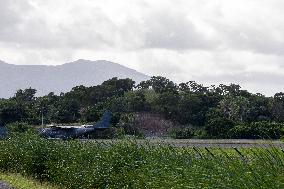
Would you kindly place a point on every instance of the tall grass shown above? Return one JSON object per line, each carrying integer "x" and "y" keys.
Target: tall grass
{"x": 128, "y": 164}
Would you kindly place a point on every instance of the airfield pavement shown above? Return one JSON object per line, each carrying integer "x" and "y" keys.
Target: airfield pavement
{"x": 214, "y": 143}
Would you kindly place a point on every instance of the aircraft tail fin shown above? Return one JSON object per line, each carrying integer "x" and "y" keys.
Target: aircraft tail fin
{"x": 104, "y": 122}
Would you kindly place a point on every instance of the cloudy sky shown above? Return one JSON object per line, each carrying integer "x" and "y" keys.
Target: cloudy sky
{"x": 209, "y": 41}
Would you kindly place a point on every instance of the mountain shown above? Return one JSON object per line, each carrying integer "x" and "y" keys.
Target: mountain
{"x": 61, "y": 78}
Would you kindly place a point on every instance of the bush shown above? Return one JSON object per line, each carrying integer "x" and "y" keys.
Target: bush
{"x": 219, "y": 127}
{"x": 258, "y": 130}
{"x": 182, "y": 133}
{"x": 188, "y": 132}
{"x": 109, "y": 133}
{"x": 19, "y": 127}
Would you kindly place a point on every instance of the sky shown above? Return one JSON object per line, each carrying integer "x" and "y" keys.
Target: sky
{"x": 208, "y": 41}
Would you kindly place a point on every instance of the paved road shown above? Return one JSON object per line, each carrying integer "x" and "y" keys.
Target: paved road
{"x": 218, "y": 143}
{"x": 4, "y": 185}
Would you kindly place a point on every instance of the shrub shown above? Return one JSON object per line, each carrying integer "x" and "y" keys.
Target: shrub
{"x": 109, "y": 133}
{"x": 18, "y": 127}
{"x": 182, "y": 133}
{"x": 258, "y": 130}
{"x": 219, "y": 127}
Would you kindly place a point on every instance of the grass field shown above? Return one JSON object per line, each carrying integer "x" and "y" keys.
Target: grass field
{"x": 201, "y": 143}
{"x": 128, "y": 164}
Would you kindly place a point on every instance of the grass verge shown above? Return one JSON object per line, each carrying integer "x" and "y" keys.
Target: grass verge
{"x": 20, "y": 182}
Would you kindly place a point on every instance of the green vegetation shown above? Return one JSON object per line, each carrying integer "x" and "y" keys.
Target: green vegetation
{"x": 20, "y": 182}
{"x": 156, "y": 107}
{"x": 128, "y": 164}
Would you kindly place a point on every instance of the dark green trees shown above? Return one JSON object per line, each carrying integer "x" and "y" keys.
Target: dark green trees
{"x": 222, "y": 111}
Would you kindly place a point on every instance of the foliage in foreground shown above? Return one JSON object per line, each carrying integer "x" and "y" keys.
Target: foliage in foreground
{"x": 129, "y": 164}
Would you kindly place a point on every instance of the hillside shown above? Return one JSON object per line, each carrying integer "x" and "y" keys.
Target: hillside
{"x": 61, "y": 78}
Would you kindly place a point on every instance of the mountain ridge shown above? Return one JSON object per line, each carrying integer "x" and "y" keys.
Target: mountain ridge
{"x": 61, "y": 78}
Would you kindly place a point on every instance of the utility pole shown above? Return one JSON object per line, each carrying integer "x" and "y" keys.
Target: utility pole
{"x": 41, "y": 117}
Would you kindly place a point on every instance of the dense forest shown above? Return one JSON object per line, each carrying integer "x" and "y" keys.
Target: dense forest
{"x": 157, "y": 106}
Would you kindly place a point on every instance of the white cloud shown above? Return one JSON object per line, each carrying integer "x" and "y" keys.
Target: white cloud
{"x": 202, "y": 40}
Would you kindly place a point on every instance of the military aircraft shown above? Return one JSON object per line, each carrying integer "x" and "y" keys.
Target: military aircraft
{"x": 72, "y": 132}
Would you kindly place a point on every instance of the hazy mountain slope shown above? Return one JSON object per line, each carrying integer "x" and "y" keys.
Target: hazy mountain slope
{"x": 61, "y": 78}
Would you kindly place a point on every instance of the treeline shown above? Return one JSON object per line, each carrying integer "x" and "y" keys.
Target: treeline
{"x": 224, "y": 111}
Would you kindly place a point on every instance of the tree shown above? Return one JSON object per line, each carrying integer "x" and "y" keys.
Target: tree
{"x": 277, "y": 107}
{"x": 135, "y": 101}
{"x": 117, "y": 87}
{"x": 190, "y": 110}
{"x": 26, "y": 95}
{"x": 259, "y": 108}
{"x": 193, "y": 87}
{"x": 67, "y": 111}
{"x": 12, "y": 111}
{"x": 159, "y": 84}
{"x": 234, "y": 108}
{"x": 167, "y": 104}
